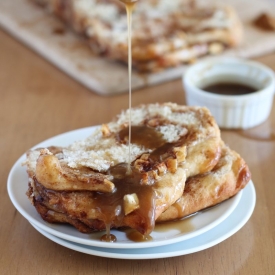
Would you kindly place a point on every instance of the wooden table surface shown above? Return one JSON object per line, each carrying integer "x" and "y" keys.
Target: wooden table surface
{"x": 38, "y": 101}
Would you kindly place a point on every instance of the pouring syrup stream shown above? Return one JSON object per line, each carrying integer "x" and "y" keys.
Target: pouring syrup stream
{"x": 129, "y": 4}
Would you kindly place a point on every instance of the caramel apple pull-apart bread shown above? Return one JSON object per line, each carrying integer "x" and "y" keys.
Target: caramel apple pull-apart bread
{"x": 89, "y": 184}
{"x": 165, "y": 33}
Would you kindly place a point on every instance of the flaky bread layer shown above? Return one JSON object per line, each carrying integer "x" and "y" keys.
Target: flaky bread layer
{"x": 228, "y": 177}
{"x": 78, "y": 208}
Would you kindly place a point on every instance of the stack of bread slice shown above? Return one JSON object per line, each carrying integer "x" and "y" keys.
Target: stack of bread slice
{"x": 165, "y": 33}
{"x": 175, "y": 165}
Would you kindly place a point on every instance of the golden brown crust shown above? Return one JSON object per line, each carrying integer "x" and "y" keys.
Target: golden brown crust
{"x": 52, "y": 175}
{"x": 228, "y": 177}
{"x": 79, "y": 207}
{"x": 53, "y": 216}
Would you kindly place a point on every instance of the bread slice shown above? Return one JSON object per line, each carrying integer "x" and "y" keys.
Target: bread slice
{"x": 227, "y": 178}
{"x": 87, "y": 182}
{"x": 165, "y": 33}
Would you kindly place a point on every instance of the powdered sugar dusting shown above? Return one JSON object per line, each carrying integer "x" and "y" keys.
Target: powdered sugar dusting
{"x": 100, "y": 151}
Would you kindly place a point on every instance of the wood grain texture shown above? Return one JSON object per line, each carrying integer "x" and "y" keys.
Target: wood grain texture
{"x": 39, "y": 101}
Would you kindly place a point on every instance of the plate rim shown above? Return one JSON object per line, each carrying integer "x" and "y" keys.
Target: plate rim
{"x": 249, "y": 191}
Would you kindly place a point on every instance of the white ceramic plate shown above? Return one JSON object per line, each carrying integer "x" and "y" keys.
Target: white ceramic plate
{"x": 235, "y": 221}
{"x": 181, "y": 230}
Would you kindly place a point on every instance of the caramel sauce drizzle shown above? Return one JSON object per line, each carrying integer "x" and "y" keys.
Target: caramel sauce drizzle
{"x": 126, "y": 179}
{"x": 129, "y": 10}
{"x": 111, "y": 204}
{"x": 129, "y": 5}
{"x": 108, "y": 237}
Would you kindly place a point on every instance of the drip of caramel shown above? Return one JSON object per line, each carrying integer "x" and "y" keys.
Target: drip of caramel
{"x": 108, "y": 237}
